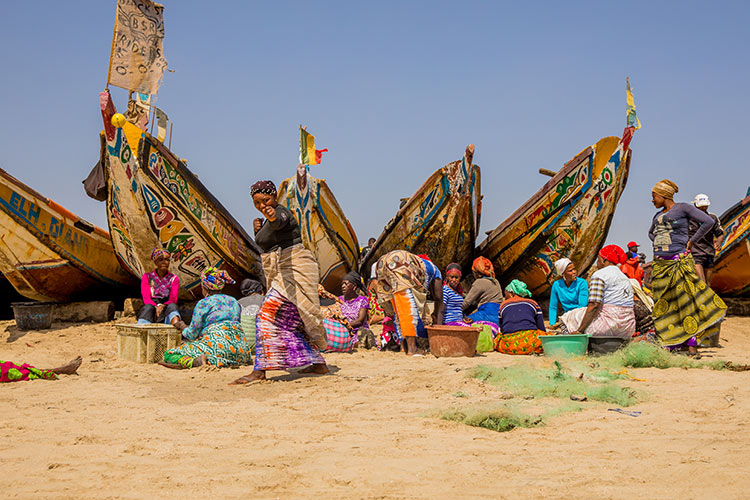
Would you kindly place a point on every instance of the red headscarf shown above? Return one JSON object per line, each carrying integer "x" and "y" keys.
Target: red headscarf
{"x": 613, "y": 253}
{"x": 424, "y": 256}
{"x": 483, "y": 266}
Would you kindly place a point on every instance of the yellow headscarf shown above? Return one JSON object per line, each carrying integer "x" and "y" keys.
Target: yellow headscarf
{"x": 665, "y": 188}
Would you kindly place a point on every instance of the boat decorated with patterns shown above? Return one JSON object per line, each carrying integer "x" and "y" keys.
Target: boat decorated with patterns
{"x": 440, "y": 220}
{"x": 325, "y": 230}
{"x": 568, "y": 217}
{"x": 731, "y": 276}
{"x": 50, "y": 254}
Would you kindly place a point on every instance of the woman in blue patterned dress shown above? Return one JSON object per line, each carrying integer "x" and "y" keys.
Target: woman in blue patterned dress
{"x": 214, "y": 336}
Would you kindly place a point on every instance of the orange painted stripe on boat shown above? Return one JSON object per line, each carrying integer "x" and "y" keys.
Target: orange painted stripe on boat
{"x": 62, "y": 210}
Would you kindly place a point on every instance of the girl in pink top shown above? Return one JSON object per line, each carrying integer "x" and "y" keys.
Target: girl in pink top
{"x": 159, "y": 289}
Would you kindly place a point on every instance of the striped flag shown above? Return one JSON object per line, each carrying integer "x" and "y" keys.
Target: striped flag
{"x": 308, "y": 155}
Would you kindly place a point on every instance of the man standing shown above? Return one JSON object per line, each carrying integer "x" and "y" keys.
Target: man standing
{"x": 704, "y": 251}
{"x": 632, "y": 266}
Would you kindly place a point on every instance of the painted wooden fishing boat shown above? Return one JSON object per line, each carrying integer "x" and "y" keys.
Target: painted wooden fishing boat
{"x": 732, "y": 267}
{"x": 568, "y": 217}
{"x": 325, "y": 230}
{"x": 49, "y": 254}
{"x": 441, "y": 219}
{"x": 154, "y": 200}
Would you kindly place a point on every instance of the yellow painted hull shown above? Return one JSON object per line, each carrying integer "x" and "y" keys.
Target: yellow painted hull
{"x": 155, "y": 201}
{"x": 440, "y": 220}
{"x": 568, "y": 217}
{"x": 325, "y": 230}
{"x": 50, "y": 254}
{"x": 732, "y": 266}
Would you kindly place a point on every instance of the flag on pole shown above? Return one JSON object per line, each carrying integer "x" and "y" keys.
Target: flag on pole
{"x": 632, "y": 118}
{"x": 308, "y": 155}
{"x": 137, "y": 59}
{"x": 161, "y": 124}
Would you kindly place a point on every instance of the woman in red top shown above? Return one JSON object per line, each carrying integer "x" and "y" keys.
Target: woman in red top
{"x": 159, "y": 289}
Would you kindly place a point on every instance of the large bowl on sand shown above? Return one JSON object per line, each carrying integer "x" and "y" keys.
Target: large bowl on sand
{"x": 453, "y": 341}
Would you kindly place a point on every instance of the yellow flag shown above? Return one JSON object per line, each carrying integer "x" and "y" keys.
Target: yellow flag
{"x": 632, "y": 118}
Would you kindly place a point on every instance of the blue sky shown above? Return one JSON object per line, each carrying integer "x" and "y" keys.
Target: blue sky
{"x": 395, "y": 90}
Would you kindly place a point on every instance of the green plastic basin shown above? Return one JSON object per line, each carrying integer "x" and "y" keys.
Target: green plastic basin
{"x": 564, "y": 345}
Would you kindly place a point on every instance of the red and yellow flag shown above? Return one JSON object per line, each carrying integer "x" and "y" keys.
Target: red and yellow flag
{"x": 308, "y": 155}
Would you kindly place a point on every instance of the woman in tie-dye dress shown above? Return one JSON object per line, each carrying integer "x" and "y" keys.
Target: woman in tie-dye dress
{"x": 289, "y": 326}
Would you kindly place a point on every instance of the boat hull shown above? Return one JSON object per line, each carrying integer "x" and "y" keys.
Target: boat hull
{"x": 324, "y": 228}
{"x": 568, "y": 217}
{"x": 155, "y": 201}
{"x": 731, "y": 276}
{"x": 440, "y": 220}
{"x": 49, "y": 254}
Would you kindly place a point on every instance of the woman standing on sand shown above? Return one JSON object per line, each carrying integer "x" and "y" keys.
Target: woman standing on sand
{"x": 685, "y": 308}
{"x": 289, "y": 325}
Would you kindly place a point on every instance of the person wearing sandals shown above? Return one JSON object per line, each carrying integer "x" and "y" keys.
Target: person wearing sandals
{"x": 215, "y": 335}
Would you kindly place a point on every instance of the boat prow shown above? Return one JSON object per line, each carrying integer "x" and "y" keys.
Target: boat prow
{"x": 441, "y": 219}
{"x": 325, "y": 230}
{"x": 154, "y": 200}
{"x": 731, "y": 276}
{"x": 48, "y": 253}
{"x": 568, "y": 217}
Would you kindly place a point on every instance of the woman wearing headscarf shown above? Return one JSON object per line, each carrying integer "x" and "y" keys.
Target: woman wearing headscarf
{"x": 521, "y": 322}
{"x": 485, "y": 295}
{"x": 289, "y": 326}
{"x": 685, "y": 308}
{"x": 453, "y": 295}
{"x": 609, "y": 313}
{"x": 567, "y": 293}
{"x": 159, "y": 289}
{"x": 403, "y": 282}
{"x": 214, "y": 336}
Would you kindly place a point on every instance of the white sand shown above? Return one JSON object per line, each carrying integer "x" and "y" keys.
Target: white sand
{"x": 124, "y": 430}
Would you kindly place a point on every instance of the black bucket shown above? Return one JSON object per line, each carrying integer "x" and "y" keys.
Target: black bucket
{"x": 33, "y": 315}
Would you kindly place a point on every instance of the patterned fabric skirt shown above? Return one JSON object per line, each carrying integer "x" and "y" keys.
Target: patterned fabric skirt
{"x": 612, "y": 321}
{"x": 280, "y": 338}
{"x": 339, "y": 338}
{"x": 684, "y": 306}
{"x": 222, "y": 342}
{"x": 409, "y": 307}
{"x": 11, "y": 372}
{"x": 521, "y": 342}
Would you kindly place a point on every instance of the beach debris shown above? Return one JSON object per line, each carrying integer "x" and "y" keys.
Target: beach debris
{"x": 575, "y": 397}
{"x": 626, "y": 412}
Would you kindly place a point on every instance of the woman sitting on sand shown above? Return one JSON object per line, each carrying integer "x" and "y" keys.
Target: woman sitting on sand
{"x": 159, "y": 290}
{"x": 521, "y": 322}
{"x": 356, "y": 308}
{"x": 485, "y": 295}
{"x": 289, "y": 327}
{"x": 609, "y": 313}
{"x": 685, "y": 308}
{"x": 567, "y": 293}
{"x": 252, "y": 299}
{"x": 11, "y": 372}
{"x": 453, "y": 295}
{"x": 215, "y": 336}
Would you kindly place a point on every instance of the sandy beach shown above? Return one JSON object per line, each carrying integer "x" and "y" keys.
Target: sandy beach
{"x": 369, "y": 430}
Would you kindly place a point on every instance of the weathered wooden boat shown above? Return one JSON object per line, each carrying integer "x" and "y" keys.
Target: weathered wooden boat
{"x": 731, "y": 276}
{"x": 441, "y": 219}
{"x": 326, "y": 231}
{"x": 154, "y": 200}
{"x": 49, "y": 254}
{"x": 568, "y": 217}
